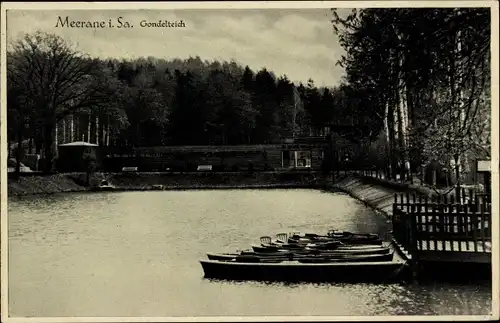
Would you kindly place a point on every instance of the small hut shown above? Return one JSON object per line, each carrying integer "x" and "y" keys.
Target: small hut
{"x": 72, "y": 156}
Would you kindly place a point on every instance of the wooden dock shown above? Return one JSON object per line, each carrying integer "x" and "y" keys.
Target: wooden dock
{"x": 432, "y": 232}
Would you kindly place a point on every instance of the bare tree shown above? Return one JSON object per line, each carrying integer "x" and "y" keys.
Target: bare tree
{"x": 54, "y": 80}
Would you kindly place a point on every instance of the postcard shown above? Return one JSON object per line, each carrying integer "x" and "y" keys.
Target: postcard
{"x": 249, "y": 161}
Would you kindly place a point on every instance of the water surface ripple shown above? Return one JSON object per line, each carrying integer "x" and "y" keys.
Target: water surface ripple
{"x": 136, "y": 254}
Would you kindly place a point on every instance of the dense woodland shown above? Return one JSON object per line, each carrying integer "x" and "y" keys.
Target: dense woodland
{"x": 151, "y": 102}
{"x": 426, "y": 75}
{"x": 417, "y": 88}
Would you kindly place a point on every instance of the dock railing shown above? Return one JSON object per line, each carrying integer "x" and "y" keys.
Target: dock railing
{"x": 430, "y": 228}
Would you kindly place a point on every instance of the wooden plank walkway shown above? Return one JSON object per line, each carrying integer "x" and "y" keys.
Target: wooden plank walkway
{"x": 455, "y": 246}
{"x": 432, "y": 255}
{"x": 443, "y": 231}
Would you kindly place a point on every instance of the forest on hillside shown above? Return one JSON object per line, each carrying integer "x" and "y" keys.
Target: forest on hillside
{"x": 417, "y": 88}
{"x": 153, "y": 102}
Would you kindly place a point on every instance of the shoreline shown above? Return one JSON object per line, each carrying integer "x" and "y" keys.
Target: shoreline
{"x": 374, "y": 193}
{"x": 37, "y": 185}
{"x": 212, "y": 187}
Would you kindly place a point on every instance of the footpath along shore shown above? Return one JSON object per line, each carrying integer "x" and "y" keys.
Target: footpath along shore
{"x": 378, "y": 193}
{"x": 375, "y": 195}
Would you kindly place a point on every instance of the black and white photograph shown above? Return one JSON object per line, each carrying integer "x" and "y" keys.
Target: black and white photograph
{"x": 242, "y": 161}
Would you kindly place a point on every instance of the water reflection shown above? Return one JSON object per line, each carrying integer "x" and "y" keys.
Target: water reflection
{"x": 136, "y": 254}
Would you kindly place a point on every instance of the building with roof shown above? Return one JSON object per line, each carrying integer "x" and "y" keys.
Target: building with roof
{"x": 72, "y": 156}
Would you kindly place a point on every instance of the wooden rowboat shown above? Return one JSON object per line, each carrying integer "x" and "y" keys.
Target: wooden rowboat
{"x": 301, "y": 258}
{"x": 361, "y": 271}
{"x": 339, "y": 240}
{"x": 357, "y": 258}
{"x": 332, "y": 236}
{"x": 286, "y": 253}
{"x": 267, "y": 248}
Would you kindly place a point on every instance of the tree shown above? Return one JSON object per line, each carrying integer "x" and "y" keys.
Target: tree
{"x": 287, "y": 107}
{"x": 18, "y": 119}
{"x": 55, "y": 80}
{"x": 424, "y": 71}
{"x": 224, "y": 100}
{"x": 146, "y": 111}
{"x": 111, "y": 115}
{"x": 265, "y": 104}
{"x": 54, "y": 89}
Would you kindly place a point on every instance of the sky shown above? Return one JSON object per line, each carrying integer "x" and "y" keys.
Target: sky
{"x": 297, "y": 42}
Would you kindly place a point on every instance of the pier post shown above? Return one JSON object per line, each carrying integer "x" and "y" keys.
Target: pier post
{"x": 413, "y": 248}
{"x": 414, "y": 270}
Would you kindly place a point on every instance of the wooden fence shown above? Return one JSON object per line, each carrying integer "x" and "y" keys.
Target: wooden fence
{"x": 423, "y": 225}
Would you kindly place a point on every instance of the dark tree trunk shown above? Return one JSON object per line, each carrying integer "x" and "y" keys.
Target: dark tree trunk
{"x": 38, "y": 147}
{"x": 19, "y": 149}
{"x": 100, "y": 131}
{"x": 18, "y": 156}
{"x": 93, "y": 128}
{"x": 48, "y": 140}
{"x": 30, "y": 148}
{"x": 38, "y": 140}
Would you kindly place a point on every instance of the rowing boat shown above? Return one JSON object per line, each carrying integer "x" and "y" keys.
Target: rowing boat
{"x": 267, "y": 248}
{"x": 242, "y": 257}
{"x": 319, "y": 271}
{"x": 333, "y": 236}
{"x": 287, "y": 253}
{"x": 354, "y": 240}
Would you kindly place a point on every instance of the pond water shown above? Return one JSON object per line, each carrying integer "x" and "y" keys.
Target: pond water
{"x": 136, "y": 254}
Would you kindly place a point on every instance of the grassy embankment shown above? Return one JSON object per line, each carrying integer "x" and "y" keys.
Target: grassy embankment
{"x": 379, "y": 193}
